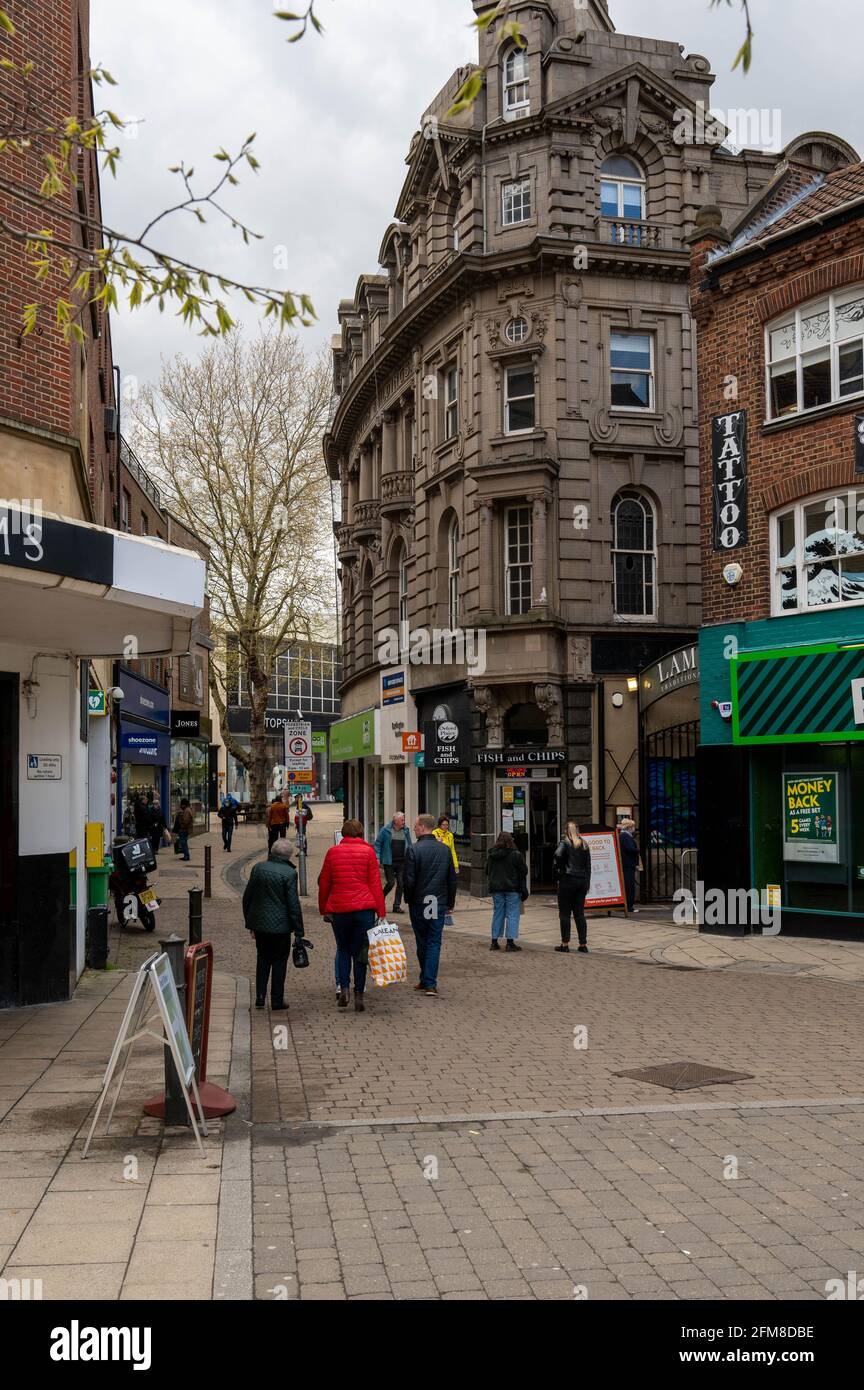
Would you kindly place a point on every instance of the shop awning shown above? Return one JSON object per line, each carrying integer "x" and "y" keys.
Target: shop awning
{"x": 799, "y": 695}
{"x": 71, "y": 587}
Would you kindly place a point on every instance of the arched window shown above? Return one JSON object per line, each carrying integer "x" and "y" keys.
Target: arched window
{"x": 453, "y": 575}
{"x": 517, "y": 99}
{"x": 634, "y": 556}
{"x": 622, "y": 189}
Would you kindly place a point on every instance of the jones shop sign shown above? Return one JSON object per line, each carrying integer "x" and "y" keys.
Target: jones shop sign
{"x": 729, "y": 474}
{"x": 810, "y": 828}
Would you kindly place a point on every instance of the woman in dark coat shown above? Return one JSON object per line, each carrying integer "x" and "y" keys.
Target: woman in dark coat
{"x": 272, "y": 912}
{"x": 572, "y": 866}
{"x": 629, "y": 860}
{"x": 507, "y": 876}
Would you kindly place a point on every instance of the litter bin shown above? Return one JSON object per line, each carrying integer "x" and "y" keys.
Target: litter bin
{"x": 97, "y": 883}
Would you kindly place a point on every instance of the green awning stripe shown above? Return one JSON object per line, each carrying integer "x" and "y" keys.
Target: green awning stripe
{"x": 777, "y": 692}
{"x": 800, "y": 714}
{"x": 797, "y": 695}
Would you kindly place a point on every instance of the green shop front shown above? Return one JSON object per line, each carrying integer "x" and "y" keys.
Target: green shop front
{"x": 355, "y": 745}
{"x": 781, "y": 766}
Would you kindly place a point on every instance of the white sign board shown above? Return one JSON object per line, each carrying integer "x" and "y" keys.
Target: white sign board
{"x": 44, "y": 767}
{"x": 298, "y": 747}
{"x": 169, "y": 1007}
{"x": 607, "y": 877}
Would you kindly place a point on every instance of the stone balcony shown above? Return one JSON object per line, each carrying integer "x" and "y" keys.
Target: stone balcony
{"x": 345, "y": 546}
{"x": 397, "y": 492}
{"x": 366, "y": 520}
{"x": 640, "y": 235}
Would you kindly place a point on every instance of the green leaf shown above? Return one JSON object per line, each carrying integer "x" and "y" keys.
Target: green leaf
{"x": 6, "y": 23}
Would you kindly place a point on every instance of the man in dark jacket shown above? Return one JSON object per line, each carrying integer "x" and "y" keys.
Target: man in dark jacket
{"x": 272, "y": 912}
{"x": 430, "y": 892}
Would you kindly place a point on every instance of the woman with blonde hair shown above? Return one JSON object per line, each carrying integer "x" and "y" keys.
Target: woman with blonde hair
{"x": 572, "y": 865}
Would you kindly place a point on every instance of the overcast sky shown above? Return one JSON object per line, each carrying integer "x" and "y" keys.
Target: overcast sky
{"x": 334, "y": 117}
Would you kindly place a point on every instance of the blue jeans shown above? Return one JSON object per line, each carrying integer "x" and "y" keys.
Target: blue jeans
{"x": 350, "y": 930}
{"x": 428, "y": 933}
{"x": 506, "y": 907}
{"x": 183, "y": 838}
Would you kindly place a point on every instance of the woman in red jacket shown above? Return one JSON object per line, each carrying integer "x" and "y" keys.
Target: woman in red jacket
{"x": 350, "y": 896}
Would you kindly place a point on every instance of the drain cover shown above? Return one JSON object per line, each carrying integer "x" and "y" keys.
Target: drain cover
{"x": 685, "y": 1076}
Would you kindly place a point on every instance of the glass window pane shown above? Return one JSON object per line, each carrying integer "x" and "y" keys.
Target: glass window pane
{"x": 782, "y": 341}
{"x": 632, "y": 200}
{"x": 820, "y": 528}
{"x": 784, "y": 391}
{"x": 789, "y": 589}
{"x": 631, "y": 390}
{"x": 851, "y": 369}
{"x": 849, "y": 318}
{"x": 815, "y": 328}
{"x": 630, "y": 531}
{"x": 630, "y": 585}
{"x": 816, "y": 383}
{"x": 520, "y": 415}
{"x": 852, "y": 577}
{"x": 823, "y": 585}
{"x": 609, "y": 199}
{"x": 621, "y": 167}
{"x": 786, "y": 539}
{"x": 631, "y": 350}
{"x": 520, "y": 383}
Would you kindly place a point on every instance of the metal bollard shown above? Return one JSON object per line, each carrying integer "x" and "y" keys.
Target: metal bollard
{"x": 196, "y": 917}
{"x": 97, "y": 938}
{"x": 175, "y": 1106}
{"x": 208, "y": 869}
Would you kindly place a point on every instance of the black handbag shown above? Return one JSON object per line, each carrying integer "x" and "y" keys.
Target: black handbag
{"x": 300, "y": 953}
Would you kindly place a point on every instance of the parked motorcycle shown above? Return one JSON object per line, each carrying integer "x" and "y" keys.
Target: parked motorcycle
{"x": 134, "y": 899}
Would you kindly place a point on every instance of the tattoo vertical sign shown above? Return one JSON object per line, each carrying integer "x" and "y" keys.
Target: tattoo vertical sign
{"x": 729, "y": 478}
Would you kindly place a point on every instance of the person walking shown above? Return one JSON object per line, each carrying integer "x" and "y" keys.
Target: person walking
{"x": 272, "y": 913}
{"x": 227, "y": 814}
{"x": 430, "y": 892}
{"x": 184, "y": 822}
{"x": 156, "y": 825}
{"x": 277, "y": 821}
{"x": 629, "y": 860}
{"x": 507, "y": 877}
{"x": 350, "y": 898}
{"x": 391, "y": 844}
{"x": 572, "y": 865}
{"x": 445, "y": 835}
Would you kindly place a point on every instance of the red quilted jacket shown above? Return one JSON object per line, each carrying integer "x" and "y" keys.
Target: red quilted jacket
{"x": 350, "y": 880}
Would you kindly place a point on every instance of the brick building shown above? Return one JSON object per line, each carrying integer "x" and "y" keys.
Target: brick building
{"x": 515, "y": 438}
{"x": 780, "y": 315}
{"x": 77, "y": 587}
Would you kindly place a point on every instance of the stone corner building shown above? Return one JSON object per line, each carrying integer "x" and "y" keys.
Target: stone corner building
{"x": 516, "y": 437}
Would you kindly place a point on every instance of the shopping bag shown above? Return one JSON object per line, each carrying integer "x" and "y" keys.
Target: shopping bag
{"x": 167, "y": 838}
{"x": 388, "y": 963}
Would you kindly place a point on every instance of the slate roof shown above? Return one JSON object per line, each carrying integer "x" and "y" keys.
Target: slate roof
{"x": 821, "y": 197}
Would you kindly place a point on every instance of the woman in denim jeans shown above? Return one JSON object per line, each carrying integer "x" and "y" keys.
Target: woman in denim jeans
{"x": 507, "y": 875}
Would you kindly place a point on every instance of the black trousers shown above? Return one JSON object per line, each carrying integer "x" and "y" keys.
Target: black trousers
{"x": 274, "y": 833}
{"x": 393, "y": 873}
{"x": 571, "y": 903}
{"x": 273, "y": 952}
{"x": 630, "y": 885}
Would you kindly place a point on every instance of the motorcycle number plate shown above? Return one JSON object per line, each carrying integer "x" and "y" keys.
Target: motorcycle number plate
{"x": 148, "y": 899}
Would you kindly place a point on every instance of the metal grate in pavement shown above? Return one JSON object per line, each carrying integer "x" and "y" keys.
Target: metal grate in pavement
{"x": 685, "y": 1076}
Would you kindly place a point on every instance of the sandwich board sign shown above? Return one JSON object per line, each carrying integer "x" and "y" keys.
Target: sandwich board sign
{"x": 607, "y": 875}
{"x": 154, "y": 984}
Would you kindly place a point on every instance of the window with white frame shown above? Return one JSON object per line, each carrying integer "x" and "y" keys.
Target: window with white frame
{"x": 518, "y": 560}
{"x": 451, "y": 402}
{"x": 622, "y": 189}
{"x": 453, "y": 575}
{"x": 404, "y": 633}
{"x": 517, "y": 330}
{"x": 632, "y": 371}
{"x": 634, "y": 556}
{"x": 815, "y": 354}
{"x": 520, "y": 401}
{"x": 516, "y": 202}
{"x": 817, "y": 551}
{"x": 517, "y": 91}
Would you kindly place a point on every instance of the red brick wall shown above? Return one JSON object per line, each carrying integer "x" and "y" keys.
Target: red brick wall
{"x": 786, "y": 462}
{"x": 41, "y": 380}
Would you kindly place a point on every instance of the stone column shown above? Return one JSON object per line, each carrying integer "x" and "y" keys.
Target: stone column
{"x": 486, "y": 517}
{"x": 540, "y": 545}
{"x": 389, "y": 459}
{"x": 366, "y": 469}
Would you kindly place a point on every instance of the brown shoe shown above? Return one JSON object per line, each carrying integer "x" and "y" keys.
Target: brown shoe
{"x": 342, "y": 999}
{"x": 359, "y": 1006}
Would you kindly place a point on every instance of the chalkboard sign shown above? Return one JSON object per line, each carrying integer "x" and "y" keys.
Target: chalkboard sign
{"x": 199, "y": 985}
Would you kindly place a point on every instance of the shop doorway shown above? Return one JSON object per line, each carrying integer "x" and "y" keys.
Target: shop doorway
{"x": 668, "y": 829}
{"x": 531, "y": 812}
{"x": 8, "y": 839}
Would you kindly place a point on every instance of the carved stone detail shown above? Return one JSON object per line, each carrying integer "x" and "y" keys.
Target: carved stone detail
{"x": 670, "y": 430}
{"x": 549, "y": 699}
{"x": 485, "y": 701}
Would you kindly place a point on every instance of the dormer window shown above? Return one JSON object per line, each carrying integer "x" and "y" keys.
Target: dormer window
{"x": 517, "y": 99}
{"x": 622, "y": 189}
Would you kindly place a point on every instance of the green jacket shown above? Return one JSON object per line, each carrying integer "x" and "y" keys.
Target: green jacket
{"x": 271, "y": 902}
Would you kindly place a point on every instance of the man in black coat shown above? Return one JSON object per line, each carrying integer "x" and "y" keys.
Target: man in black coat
{"x": 430, "y": 892}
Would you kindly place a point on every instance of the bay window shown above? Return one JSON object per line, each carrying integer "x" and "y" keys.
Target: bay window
{"x": 815, "y": 354}
{"x": 817, "y": 551}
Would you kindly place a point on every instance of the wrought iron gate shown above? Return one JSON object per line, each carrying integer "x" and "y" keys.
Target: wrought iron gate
{"x": 668, "y": 820}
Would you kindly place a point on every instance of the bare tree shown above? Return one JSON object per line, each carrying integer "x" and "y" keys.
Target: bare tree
{"x": 235, "y": 440}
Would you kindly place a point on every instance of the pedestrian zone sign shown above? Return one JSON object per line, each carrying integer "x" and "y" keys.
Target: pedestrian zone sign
{"x": 298, "y": 746}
